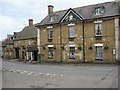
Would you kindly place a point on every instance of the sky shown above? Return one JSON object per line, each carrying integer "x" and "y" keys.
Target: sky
{"x": 14, "y": 14}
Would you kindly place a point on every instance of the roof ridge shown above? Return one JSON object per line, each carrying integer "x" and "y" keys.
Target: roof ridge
{"x": 84, "y": 6}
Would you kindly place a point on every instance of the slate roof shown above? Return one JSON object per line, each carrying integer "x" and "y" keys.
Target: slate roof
{"x": 27, "y": 33}
{"x": 111, "y": 9}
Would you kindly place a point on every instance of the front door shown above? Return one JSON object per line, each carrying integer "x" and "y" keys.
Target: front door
{"x": 98, "y": 52}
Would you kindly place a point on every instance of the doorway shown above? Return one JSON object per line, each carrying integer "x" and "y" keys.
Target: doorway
{"x": 35, "y": 56}
{"x": 16, "y": 53}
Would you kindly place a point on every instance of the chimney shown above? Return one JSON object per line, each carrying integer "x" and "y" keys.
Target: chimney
{"x": 30, "y": 22}
{"x": 50, "y": 9}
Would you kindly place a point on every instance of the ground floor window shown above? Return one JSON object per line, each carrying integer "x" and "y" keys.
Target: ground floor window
{"x": 50, "y": 52}
{"x": 98, "y": 52}
{"x": 72, "y": 53}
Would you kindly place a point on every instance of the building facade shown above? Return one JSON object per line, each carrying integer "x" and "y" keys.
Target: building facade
{"x": 83, "y": 34}
{"x": 22, "y": 45}
{"x": 8, "y": 48}
{"x": 25, "y": 43}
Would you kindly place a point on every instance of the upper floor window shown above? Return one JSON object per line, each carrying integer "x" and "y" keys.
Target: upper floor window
{"x": 52, "y": 18}
{"x": 29, "y": 43}
{"x": 50, "y": 32}
{"x": 98, "y": 28}
{"x": 71, "y": 30}
{"x": 99, "y": 11}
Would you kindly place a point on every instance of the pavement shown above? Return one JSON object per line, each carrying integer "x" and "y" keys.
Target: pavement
{"x": 17, "y": 74}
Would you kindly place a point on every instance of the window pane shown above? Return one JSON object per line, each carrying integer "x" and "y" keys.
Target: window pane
{"x": 29, "y": 43}
{"x": 71, "y": 31}
{"x": 98, "y": 52}
{"x": 50, "y": 33}
{"x": 98, "y": 28}
{"x": 72, "y": 52}
{"x": 50, "y": 52}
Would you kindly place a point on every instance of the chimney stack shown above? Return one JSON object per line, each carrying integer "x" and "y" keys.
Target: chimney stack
{"x": 30, "y": 22}
{"x": 50, "y": 9}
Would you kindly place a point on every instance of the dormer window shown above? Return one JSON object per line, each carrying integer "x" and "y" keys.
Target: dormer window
{"x": 52, "y": 18}
{"x": 99, "y": 10}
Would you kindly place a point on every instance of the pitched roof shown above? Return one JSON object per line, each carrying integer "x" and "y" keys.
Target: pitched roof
{"x": 111, "y": 9}
{"x": 27, "y": 33}
{"x": 8, "y": 41}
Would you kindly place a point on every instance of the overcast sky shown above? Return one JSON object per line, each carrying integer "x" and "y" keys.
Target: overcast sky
{"x": 14, "y": 14}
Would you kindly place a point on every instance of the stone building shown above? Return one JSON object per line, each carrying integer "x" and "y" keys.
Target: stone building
{"x": 82, "y": 34}
{"x": 8, "y": 47}
{"x": 25, "y": 43}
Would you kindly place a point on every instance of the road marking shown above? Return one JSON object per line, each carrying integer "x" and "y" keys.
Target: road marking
{"x": 61, "y": 75}
{"x": 47, "y": 74}
{"x": 32, "y": 73}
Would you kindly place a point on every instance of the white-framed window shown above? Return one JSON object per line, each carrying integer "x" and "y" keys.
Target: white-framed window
{"x": 98, "y": 29}
{"x": 52, "y": 18}
{"x": 71, "y": 30}
{"x": 99, "y": 11}
{"x": 29, "y": 43}
{"x": 50, "y": 33}
{"x": 72, "y": 52}
{"x": 50, "y": 52}
{"x": 98, "y": 52}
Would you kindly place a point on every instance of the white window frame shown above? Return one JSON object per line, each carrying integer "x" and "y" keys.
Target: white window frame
{"x": 98, "y": 11}
{"x": 71, "y": 27}
{"x": 52, "y": 18}
{"x": 98, "y": 28}
{"x": 72, "y": 51}
{"x": 50, "y": 51}
{"x": 50, "y": 32}
{"x": 29, "y": 42}
{"x": 99, "y": 54}
{"x": 99, "y": 45}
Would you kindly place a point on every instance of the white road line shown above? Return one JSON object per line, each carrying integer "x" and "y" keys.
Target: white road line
{"x": 61, "y": 75}
{"x": 32, "y": 73}
{"x": 22, "y": 72}
{"x": 47, "y": 74}
{"x": 25, "y": 71}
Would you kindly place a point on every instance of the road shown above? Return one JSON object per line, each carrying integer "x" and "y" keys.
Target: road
{"x": 18, "y": 74}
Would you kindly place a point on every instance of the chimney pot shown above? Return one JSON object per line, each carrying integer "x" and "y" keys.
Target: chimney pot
{"x": 50, "y": 9}
{"x": 30, "y": 22}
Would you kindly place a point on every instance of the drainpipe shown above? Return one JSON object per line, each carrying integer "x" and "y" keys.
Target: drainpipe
{"x": 83, "y": 40}
{"x": 61, "y": 41}
{"x": 38, "y": 42}
{"x": 119, "y": 33}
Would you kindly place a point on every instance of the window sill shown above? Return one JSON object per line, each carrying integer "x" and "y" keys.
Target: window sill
{"x": 99, "y": 59}
{"x": 71, "y": 58}
{"x": 71, "y": 38}
{"x": 50, "y": 40}
{"x": 50, "y": 58}
{"x": 98, "y": 37}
